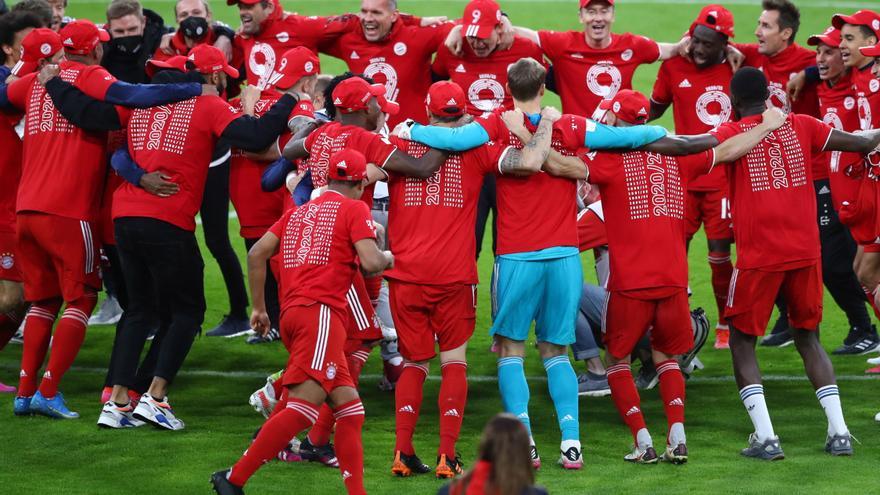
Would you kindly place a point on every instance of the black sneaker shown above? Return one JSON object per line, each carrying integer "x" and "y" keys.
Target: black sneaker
{"x": 271, "y": 336}
{"x": 230, "y": 327}
{"x": 325, "y": 454}
{"x": 647, "y": 377}
{"x": 222, "y": 485}
{"x": 406, "y": 465}
{"x": 859, "y": 342}
{"x": 780, "y": 339}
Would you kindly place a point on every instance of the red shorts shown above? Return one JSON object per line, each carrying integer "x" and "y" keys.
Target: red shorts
{"x": 362, "y": 321}
{"x": 315, "y": 338}
{"x": 710, "y": 209}
{"x": 425, "y": 314}
{"x": 58, "y": 256}
{"x": 591, "y": 230}
{"x": 8, "y": 266}
{"x": 753, "y": 293}
{"x": 629, "y": 314}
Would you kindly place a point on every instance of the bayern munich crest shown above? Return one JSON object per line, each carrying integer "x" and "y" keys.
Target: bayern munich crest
{"x": 7, "y": 261}
{"x": 330, "y": 373}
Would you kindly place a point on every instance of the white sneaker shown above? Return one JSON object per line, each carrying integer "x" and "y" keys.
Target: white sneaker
{"x": 571, "y": 457}
{"x": 263, "y": 400}
{"x": 157, "y": 413}
{"x": 874, "y": 361}
{"x": 113, "y": 416}
{"x": 877, "y": 417}
{"x": 109, "y": 313}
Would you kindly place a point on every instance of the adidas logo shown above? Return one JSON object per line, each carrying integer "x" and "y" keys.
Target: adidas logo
{"x": 453, "y": 103}
{"x": 685, "y": 84}
{"x": 565, "y": 418}
{"x": 452, "y": 412}
{"x": 824, "y": 190}
{"x": 23, "y": 374}
{"x": 676, "y": 402}
{"x": 346, "y": 475}
{"x": 460, "y": 68}
{"x": 337, "y": 101}
{"x": 524, "y": 415}
{"x": 47, "y": 375}
{"x": 633, "y": 410}
{"x": 572, "y": 454}
{"x": 407, "y": 409}
{"x": 751, "y": 408}
{"x": 354, "y": 55}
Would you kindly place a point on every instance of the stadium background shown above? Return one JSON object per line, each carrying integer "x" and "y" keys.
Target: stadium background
{"x": 75, "y": 457}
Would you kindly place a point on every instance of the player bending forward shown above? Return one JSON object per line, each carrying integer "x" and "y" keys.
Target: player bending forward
{"x": 321, "y": 245}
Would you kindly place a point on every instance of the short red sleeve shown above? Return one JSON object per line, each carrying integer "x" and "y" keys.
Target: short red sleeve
{"x": 439, "y": 65}
{"x": 360, "y": 221}
{"x": 697, "y": 164}
{"x": 220, "y": 114}
{"x": 604, "y": 166}
{"x": 94, "y": 81}
{"x": 489, "y": 156}
{"x": 553, "y": 43}
{"x": 726, "y": 131}
{"x": 278, "y": 227}
{"x": 750, "y": 51}
{"x": 662, "y": 90}
{"x": 573, "y": 129}
{"x": 819, "y": 132}
{"x": 646, "y": 49}
{"x": 493, "y": 125}
{"x": 378, "y": 149}
{"x": 17, "y": 90}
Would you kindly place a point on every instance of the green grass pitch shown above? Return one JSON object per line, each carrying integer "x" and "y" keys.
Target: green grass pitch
{"x": 38, "y": 455}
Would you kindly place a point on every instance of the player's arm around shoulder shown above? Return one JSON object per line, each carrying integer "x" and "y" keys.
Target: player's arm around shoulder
{"x": 536, "y": 148}
{"x": 734, "y": 148}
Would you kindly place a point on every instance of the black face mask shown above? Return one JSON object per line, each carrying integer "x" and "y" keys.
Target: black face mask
{"x": 194, "y": 28}
{"x": 127, "y": 45}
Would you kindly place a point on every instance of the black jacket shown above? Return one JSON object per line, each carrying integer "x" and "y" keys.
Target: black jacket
{"x": 129, "y": 68}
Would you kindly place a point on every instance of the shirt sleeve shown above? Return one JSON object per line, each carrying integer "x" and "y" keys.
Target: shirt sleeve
{"x": 818, "y": 130}
{"x": 693, "y": 166}
{"x": 646, "y": 49}
{"x": 360, "y": 222}
{"x": 662, "y": 89}
{"x": 378, "y": 149}
{"x": 439, "y": 65}
{"x": 725, "y": 131}
{"x": 315, "y": 31}
{"x": 95, "y": 81}
{"x": 220, "y": 114}
{"x": 278, "y": 227}
{"x": 436, "y": 35}
{"x": 552, "y": 43}
{"x": 603, "y": 166}
{"x": 750, "y": 51}
{"x": 17, "y": 91}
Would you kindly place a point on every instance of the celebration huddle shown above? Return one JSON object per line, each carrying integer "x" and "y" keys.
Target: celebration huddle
{"x": 464, "y": 253}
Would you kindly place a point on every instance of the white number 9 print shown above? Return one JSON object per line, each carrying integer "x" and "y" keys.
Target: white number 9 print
{"x": 475, "y": 16}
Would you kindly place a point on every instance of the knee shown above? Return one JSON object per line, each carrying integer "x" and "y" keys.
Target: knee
{"x": 508, "y": 348}
{"x": 11, "y": 296}
{"x": 548, "y": 350}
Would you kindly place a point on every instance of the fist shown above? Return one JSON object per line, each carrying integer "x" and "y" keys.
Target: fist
{"x": 551, "y": 114}
{"x": 402, "y": 130}
{"x": 48, "y": 72}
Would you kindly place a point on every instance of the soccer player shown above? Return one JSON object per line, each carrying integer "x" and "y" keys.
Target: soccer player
{"x": 698, "y": 88}
{"x": 322, "y": 244}
{"x": 55, "y": 236}
{"x": 778, "y": 251}
{"x": 195, "y": 27}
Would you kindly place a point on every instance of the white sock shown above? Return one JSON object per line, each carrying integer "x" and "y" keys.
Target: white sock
{"x": 676, "y": 435}
{"x": 829, "y": 399}
{"x": 644, "y": 439}
{"x": 753, "y": 398}
{"x": 567, "y": 444}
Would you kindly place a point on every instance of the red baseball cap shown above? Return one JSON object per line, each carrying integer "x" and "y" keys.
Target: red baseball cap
{"x": 716, "y": 18}
{"x": 177, "y": 62}
{"x": 480, "y": 18}
{"x": 295, "y": 64}
{"x": 870, "y": 51}
{"x": 246, "y": 2}
{"x": 584, "y": 3}
{"x": 866, "y": 17}
{"x": 40, "y": 43}
{"x": 629, "y": 106}
{"x": 830, "y": 37}
{"x": 208, "y": 59}
{"x": 354, "y": 93}
{"x": 81, "y": 36}
{"x": 446, "y": 99}
{"x": 348, "y": 164}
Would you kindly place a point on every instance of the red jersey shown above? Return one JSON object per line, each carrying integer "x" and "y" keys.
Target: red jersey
{"x": 538, "y": 211}
{"x": 10, "y": 171}
{"x": 63, "y": 166}
{"x": 178, "y": 139}
{"x": 700, "y": 100}
{"x": 772, "y": 195}
{"x": 585, "y": 76}
{"x": 401, "y": 61}
{"x": 838, "y": 108}
{"x": 330, "y": 138}
{"x": 867, "y": 91}
{"x": 643, "y": 198}
{"x": 317, "y": 256}
{"x": 178, "y": 44}
{"x": 484, "y": 79}
{"x": 431, "y": 221}
{"x": 779, "y": 69}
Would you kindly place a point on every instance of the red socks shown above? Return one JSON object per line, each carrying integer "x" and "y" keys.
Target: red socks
{"x": 450, "y": 403}
{"x": 274, "y": 436}
{"x": 407, "y": 403}
{"x": 9, "y": 323}
{"x": 722, "y": 269}
{"x": 626, "y": 397}
{"x": 349, "y": 446}
{"x": 672, "y": 391}
{"x": 356, "y": 361}
{"x": 69, "y": 336}
{"x": 37, "y": 332}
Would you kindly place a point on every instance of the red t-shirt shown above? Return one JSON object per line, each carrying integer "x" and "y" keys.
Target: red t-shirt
{"x": 771, "y": 193}
{"x": 317, "y": 258}
{"x": 538, "y": 211}
{"x": 643, "y": 199}
{"x": 401, "y": 61}
{"x": 431, "y": 221}
{"x": 700, "y": 101}
{"x": 10, "y": 170}
{"x": 178, "y": 139}
{"x": 867, "y": 92}
{"x": 63, "y": 166}
{"x": 484, "y": 80}
{"x": 178, "y": 44}
{"x": 333, "y": 137}
{"x": 838, "y": 107}
{"x": 585, "y": 76}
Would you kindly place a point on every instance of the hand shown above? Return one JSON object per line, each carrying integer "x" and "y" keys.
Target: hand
{"x": 209, "y": 90}
{"x": 165, "y": 44}
{"x": 433, "y": 21}
{"x": 454, "y": 40}
{"x": 514, "y": 120}
{"x": 773, "y": 118}
{"x": 380, "y": 233}
{"x": 159, "y": 184}
{"x": 872, "y": 165}
{"x": 551, "y": 114}
{"x": 292, "y": 180}
{"x": 684, "y": 47}
{"x": 48, "y": 72}
{"x": 403, "y": 129}
{"x": 507, "y": 34}
{"x": 250, "y": 95}
{"x": 225, "y": 46}
{"x": 735, "y": 58}
{"x": 390, "y": 258}
{"x": 260, "y": 321}
{"x": 796, "y": 85}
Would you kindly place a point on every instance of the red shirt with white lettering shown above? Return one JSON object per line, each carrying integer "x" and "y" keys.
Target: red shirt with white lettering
{"x": 643, "y": 199}
{"x": 317, "y": 258}
{"x": 401, "y": 61}
{"x": 63, "y": 167}
{"x": 585, "y": 76}
{"x": 10, "y": 170}
{"x": 178, "y": 139}
{"x": 334, "y": 137}
{"x": 700, "y": 100}
{"x": 838, "y": 107}
{"x": 867, "y": 92}
{"x": 431, "y": 221}
{"x": 538, "y": 211}
{"x": 771, "y": 191}
{"x": 484, "y": 80}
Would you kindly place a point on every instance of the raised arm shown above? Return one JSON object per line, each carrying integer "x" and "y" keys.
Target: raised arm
{"x": 862, "y": 142}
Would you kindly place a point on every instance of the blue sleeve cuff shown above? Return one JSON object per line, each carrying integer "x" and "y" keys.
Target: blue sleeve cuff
{"x": 462, "y": 138}
{"x": 126, "y": 167}
{"x": 275, "y": 174}
{"x": 150, "y": 95}
{"x": 603, "y": 137}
